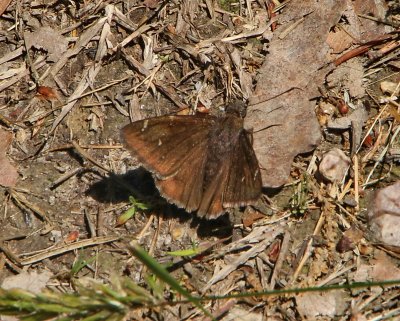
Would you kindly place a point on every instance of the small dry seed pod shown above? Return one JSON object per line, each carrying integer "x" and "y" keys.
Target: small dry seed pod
{"x": 334, "y": 165}
{"x": 384, "y": 215}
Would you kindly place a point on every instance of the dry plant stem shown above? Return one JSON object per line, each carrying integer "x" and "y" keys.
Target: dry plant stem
{"x": 345, "y": 190}
{"x": 9, "y": 254}
{"x": 94, "y": 91}
{"x": 390, "y": 252}
{"x": 89, "y": 76}
{"x": 362, "y": 305}
{"x": 66, "y": 248}
{"x": 24, "y": 203}
{"x": 356, "y": 186}
{"x": 334, "y": 275}
{"x": 280, "y": 260}
{"x": 13, "y": 267}
{"x": 250, "y": 34}
{"x": 290, "y": 28}
{"x": 269, "y": 222}
{"x": 110, "y": 84}
{"x": 388, "y": 57}
{"x": 133, "y": 36}
{"x": 145, "y": 228}
{"x": 378, "y": 117}
{"x": 65, "y": 177}
{"x": 386, "y": 315}
{"x": 377, "y": 20}
{"x": 69, "y": 146}
{"x": 345, "y": 222}
{"x": 96, "y": 264}
{"x": 2, "y": 261}
{"x": 225, "y": 308}
{"x": 25, "y": 72}
{"x": 91, "y": 228}
{"x": 7, "y": 122}
{"x": 381, "y": 156}
{"x": 34, "y": 73}
{"x": 211, "y": 9}
{"x": 12, "y": 55}
{"x": 148, "y": 79}
{"x": 153, "y": 243}
{"x": 155, "y": 236}
{"x": 88, "y": 157}
{"x": 219, "y": 10}
{"x": 84, "y": 39}
{"x": 100, "y": 221}
{"x": 374, "y": 148}
{"x": 261, "y": 273}
{"x": 309, "y": 248}
{"x": 166, "y": 90}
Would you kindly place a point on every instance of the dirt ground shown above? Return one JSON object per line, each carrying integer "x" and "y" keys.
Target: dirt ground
{"x": 74, "y": 73}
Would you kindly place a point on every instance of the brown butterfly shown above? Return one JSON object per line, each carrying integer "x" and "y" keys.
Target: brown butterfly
{"x": 200, "y": 163}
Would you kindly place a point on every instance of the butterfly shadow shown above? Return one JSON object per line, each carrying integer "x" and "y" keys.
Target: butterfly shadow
{"x": 139, "y": 183}
{"x": 117, "y": 188}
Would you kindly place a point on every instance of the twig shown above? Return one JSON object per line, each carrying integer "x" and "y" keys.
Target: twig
{"x": 280, "y": 260}
{"x": 88, "y": 157}
{"x": 67, "y": 248}
{"x": 381, "y": 156}
{"x": 356, "y": 182}
{"x": 309, "y": 247}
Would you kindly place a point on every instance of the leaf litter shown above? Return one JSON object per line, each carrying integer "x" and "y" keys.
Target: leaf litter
{"x": 106, "y": 62}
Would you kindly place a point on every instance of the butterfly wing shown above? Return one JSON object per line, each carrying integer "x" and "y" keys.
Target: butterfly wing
{"x": 185, "y": 188}
{"x": 175, "y": 149}
{"x": 162, "y": 144}
{"x": 211, "y": 205}
{"x": 243, "y": 184}
{"x": 236, "y": 183}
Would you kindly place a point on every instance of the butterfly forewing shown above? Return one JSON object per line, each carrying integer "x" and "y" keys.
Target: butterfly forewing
{"x": 185, "y": 188}
{"x": 163, "y": 143}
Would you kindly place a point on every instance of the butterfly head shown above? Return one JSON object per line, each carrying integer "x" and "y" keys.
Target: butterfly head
{"x": 237, "y": 108}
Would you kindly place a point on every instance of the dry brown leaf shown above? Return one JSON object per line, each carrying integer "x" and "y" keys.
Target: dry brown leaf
{"x": 383, "y": 268}
{"x": 251, "y": 216}
{"x": 3, "y": 5}
{"x": 48, "y": 39}
{"x": 31, "y": 281}
{"x": 8, "y": 173}
{"x": 240, "y": 314}
{"x": 348, "y": 76}
{"x": 288, "y": 79}
{"x": 384, "y": 215}
{"x": 339, "y": 40}
{"x": 312, "y": 305}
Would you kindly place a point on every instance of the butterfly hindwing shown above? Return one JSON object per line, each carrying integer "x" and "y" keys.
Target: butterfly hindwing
{"x": 244, "y": 183}
{"x": 211, "y": 204}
